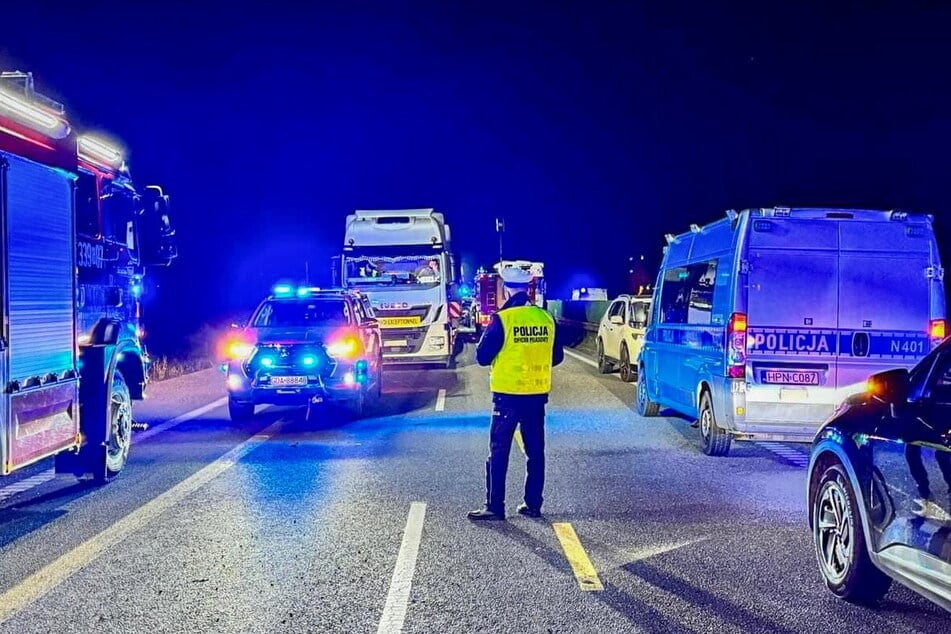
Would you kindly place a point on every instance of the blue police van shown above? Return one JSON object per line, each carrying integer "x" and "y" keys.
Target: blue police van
{"x": 764, "y": 321}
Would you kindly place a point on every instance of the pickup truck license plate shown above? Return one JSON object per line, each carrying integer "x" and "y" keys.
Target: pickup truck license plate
{"x": 791, "y": 377}
{"x": 288, "y": 380}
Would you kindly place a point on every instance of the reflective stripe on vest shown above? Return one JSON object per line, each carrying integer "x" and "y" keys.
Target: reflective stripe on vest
{"x": 523, "y": 365}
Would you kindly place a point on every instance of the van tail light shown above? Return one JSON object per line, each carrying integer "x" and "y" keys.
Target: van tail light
{"x": 937, "y": 330}
{"x": 736, "y": 346}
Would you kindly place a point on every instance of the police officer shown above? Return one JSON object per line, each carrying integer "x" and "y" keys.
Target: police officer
{"x": 520, "y": 345}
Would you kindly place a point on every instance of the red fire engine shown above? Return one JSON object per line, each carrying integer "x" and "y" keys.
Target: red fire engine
{"x": 76, "y": 239}
{"x": 489, "y": 298}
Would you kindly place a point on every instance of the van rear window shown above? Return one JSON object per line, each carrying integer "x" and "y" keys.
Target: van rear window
{"x": 687, "y": 294}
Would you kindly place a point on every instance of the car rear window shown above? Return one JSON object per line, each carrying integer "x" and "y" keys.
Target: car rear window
{"x": 303, "y": 314}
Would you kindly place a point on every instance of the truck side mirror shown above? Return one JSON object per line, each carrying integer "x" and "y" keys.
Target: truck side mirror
{"x": 156, "y": 237}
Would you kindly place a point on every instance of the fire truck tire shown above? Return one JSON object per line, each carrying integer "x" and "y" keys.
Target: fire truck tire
{"x": 120, "y": 429}
{"x": 240, "y": 412}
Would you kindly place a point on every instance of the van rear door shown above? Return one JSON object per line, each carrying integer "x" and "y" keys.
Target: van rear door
{"x": 793, "y": 304}
{"x": 885, "y": 296}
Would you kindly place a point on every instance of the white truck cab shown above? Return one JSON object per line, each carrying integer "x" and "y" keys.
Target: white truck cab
{"x": 401, "y": 260}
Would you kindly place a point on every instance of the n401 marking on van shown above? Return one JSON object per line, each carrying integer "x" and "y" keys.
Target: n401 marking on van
{"x": 908, "y": 346}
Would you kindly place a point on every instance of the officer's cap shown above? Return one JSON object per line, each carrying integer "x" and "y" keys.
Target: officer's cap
{"x": 515, "y": 277}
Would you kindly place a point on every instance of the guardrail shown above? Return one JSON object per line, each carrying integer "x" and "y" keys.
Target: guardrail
{"x": 571, "y": 323}
{"x": 579, "y": 320}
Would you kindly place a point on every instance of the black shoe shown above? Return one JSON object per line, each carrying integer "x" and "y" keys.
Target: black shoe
{"x": 527, "y": 511}
{"x": 485, "y": 514}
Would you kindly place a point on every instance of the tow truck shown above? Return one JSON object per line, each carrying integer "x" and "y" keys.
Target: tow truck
{"x": 76, "y": 239}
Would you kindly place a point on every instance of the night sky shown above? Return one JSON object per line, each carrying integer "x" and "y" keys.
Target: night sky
{"x": 593, "y": 128}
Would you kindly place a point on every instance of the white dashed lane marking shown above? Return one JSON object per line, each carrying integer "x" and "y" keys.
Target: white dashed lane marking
{"x": 797, "y": 455}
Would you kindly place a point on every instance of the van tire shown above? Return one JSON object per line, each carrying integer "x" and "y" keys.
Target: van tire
{"x": 604, "y": 366}
{"x": 645, "y": 406}
{"x": 628, "y": 371}
{"x": 716, "y": 440}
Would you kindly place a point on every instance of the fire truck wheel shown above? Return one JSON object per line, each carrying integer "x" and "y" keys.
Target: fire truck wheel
{"x": 120, "y": 426}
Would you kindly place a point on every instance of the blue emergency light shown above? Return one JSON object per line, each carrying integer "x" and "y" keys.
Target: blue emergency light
{"x": 283, "y": 290}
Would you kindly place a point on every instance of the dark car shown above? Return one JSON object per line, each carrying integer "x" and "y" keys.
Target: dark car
{"x": 304, "y": 346}
{"x": 879, "y": 486}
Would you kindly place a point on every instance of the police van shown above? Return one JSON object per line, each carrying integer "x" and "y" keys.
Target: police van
{"x": 764, "y": 321}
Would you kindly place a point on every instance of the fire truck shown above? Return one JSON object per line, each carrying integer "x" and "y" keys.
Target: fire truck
{"x": 76, "y": 239}
{"x": 489, "y": 298}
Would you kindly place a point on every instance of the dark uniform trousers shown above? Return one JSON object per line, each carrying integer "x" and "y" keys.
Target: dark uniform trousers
{"x": 506, "y": 417}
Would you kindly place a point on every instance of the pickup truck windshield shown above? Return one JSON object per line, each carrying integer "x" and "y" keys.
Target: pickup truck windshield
{"x": 303, "y": 314}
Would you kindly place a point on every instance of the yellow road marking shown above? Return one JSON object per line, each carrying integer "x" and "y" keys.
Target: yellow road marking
{"x": 519, "y": 441}
{"x": 53, "y": 574}
{"x": 581, "y": 565}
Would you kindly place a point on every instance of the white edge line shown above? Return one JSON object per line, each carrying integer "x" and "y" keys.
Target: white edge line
{"x": 397, "y": 600}
{"x": 187, "y": 416}
{"x": 578, "y": 357}
{"x": 441, "y": 400}
{"x": 45, "y": 476}
{"x": 41, "y": 582}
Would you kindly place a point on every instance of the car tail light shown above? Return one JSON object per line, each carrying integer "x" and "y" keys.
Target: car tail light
{"x": 736, "y": 346}
{"x": 937, "y": 329}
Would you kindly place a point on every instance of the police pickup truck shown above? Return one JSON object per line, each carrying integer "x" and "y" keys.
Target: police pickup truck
{"x": 305, "y": 346}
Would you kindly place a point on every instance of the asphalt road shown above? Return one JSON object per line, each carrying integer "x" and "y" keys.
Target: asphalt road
{"x": 284, "y": 525}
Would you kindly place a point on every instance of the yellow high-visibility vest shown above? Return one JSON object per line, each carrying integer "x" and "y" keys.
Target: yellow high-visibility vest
{"x": 523, "y": 365}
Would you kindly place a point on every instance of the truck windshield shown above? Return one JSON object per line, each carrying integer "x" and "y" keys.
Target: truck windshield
{"x": 303, "y": 314}
{"x": 392, "y": 270}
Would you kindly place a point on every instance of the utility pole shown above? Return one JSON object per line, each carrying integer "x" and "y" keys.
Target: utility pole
{"x": 499, "y": 228}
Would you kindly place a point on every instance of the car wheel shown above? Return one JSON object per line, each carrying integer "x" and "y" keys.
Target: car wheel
{"x": 716, "y": 440}
{"x": 240, "y": 412}
{"x": 645, "y": 406}
{"x": 604, "y": 366}
{"x": 839, "y": 538}
{"x": 628, "y": 375}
